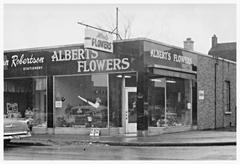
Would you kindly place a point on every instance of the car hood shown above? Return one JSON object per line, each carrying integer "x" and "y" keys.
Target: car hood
{"x": 14, "y": 125}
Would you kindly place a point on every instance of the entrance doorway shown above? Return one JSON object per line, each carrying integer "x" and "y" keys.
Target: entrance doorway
{"x": 130, "y": 110}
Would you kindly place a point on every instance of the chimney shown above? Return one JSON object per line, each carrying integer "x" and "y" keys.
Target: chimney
{"x": 188, "y": 44}
{"x": 214, "y": 41}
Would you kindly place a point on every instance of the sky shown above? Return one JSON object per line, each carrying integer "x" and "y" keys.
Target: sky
{"x": 40, "y": 25}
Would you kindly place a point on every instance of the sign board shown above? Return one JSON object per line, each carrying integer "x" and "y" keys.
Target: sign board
{"x": 25, "y": 63}
{"x": 168, "y": 56}
{"x": 80, "y": 60}
{"x": 98, "y": 40}
{"x": 201, "y": 94}
{"x": 94, "y": 132}
{"x": 75, "y": 58}
{"x": 12, "y": 108}
{"x": 58, "y": 104}
{"x": 163, "y": 55}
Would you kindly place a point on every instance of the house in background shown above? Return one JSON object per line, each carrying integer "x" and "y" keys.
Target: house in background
{"x": 223, "y": 50}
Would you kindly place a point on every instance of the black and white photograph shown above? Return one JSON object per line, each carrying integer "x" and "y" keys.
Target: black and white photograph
{"x": 119, "y": 81}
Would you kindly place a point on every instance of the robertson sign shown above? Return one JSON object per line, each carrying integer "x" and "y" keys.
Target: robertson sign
{"x": 98, "y": 40}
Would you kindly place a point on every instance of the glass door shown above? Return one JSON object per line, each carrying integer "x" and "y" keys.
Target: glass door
{"x": 131, "y": 110}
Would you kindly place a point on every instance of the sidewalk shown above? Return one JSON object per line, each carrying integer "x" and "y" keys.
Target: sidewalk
{"x": 189, "y": 138}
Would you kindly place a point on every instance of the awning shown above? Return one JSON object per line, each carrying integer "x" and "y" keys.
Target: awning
{"x": 165, "y": 71}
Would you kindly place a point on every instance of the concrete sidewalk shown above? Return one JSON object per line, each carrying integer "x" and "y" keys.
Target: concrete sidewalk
{"x": 189, "y": 138}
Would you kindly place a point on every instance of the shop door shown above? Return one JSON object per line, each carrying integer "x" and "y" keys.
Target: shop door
{"x": 131, "y": 110}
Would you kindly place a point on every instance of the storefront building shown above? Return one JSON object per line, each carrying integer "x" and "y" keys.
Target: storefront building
{"x": 143, "y": 88}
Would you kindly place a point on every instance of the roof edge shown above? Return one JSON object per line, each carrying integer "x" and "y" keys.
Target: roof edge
{"x": 119, "y": 41}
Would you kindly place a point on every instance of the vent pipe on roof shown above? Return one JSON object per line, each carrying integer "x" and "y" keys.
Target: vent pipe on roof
{"x": 188, "y": 44}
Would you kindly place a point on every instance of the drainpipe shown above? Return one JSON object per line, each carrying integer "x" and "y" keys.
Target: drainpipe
{"x": 215, "y": 92}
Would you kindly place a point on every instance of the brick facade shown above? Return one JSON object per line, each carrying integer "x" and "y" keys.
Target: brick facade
{"x": 226, "y": 71}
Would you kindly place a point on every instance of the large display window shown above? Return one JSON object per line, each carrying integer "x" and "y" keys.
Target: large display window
{"x": 94, "y": 100}
{"x": 81, "y": 101}
{"x": 169, "y": 102}
{"x": 26, "y": 99}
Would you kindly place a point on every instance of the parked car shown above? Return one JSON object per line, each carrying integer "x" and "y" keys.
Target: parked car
{"x": 15, "y": 128}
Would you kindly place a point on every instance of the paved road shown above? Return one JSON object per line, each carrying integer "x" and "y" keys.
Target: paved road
{"x": 104, "y": 152}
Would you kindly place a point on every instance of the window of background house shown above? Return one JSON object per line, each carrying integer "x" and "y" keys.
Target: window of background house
{"x": 227, "y": 96}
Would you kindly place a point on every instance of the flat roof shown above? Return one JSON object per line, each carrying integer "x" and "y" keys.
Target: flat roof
{"x": 117, "y": 41}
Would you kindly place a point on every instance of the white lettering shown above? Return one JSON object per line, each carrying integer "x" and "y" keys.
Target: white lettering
{"x": 80, "y": 65}
{"x": 100, "y": 64}
{"x": 81, "y": 54}
{"x": 175, "y": 57}
{"x": 6, "y": 62}
{"x": 116, "y": 64}
{"x": 92, "y": 65}
{"x": 68, "y": 55}
{"x": 103, "y": 65}
{"x": 168, "y": 56}
{"x": 25, "y": 60}
{"x": 60, "y": 55}
{"x": 125, "y": 63}
{"x": 74, "y": 54}
{"x": 94, "y": 54}
{"x": 54, "y": 56}
{"x": 86, "y": 68}
{"x": 109, "y": 63}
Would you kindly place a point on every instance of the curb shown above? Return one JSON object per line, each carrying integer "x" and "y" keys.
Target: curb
{"x": 111, "y": 143}
{"x": 165, "y": 144}
{"x": 31, "y": 143}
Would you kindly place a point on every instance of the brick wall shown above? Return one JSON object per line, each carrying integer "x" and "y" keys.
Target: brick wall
{"x": 205, "y": 80}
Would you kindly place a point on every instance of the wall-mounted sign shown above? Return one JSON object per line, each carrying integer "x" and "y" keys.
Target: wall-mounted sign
{"x": 201, "y": 94}
{"x": 90, "y": 60}
{"x": 64, "y": 61}
{"x": 25, "y": 63}
{"x": 164, "y": 55}
{"x": 58, "y": 104}
{"x": 98, "y": 40}
{"x": 23, "y": 60}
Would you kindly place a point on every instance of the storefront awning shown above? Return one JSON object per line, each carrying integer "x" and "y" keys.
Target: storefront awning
{"x": 165, "y": 71}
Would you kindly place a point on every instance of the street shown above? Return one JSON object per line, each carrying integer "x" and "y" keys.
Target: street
{"x": 106, "y": 152}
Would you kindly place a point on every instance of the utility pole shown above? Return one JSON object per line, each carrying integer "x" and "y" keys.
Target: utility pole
{"x": 117, "y": 23}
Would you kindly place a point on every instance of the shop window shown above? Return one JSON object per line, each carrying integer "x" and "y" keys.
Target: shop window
{"x": 26, "y": 99}
{"x": 227, "y": 96}
{"x": 81, "y": 101}
{"x": 169, "y": 102}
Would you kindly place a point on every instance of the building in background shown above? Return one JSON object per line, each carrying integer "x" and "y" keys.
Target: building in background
{"x": 223, "y": 50}
{"x": 142, "y": 87}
